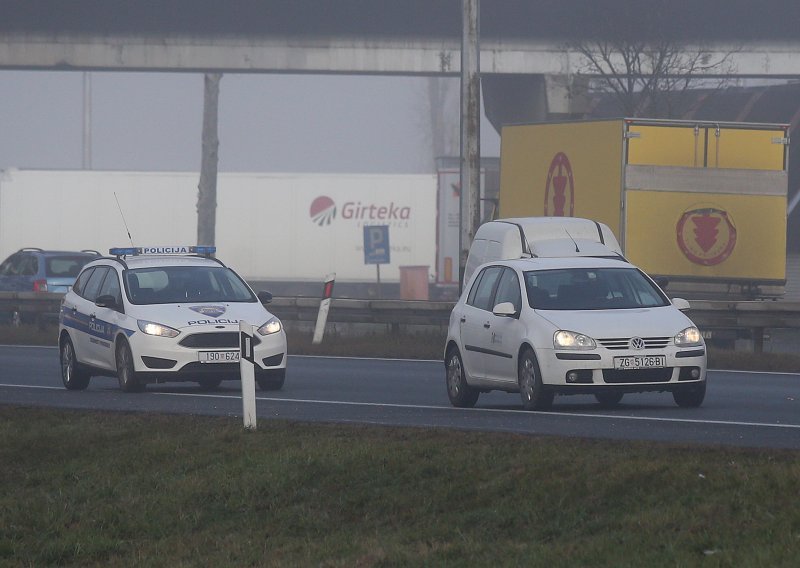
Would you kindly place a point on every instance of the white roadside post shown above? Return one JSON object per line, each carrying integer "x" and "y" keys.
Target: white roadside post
{"x": 324, "y": 308}
{"x": 248, "y": 374}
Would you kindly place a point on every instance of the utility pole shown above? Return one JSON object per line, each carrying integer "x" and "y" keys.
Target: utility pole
{"x": 87, "y": 120}
{"x": 470, "y": 129}
{"x": 207, "y": 188}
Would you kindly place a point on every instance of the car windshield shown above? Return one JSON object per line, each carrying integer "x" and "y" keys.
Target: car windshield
{"x": 178, "y": 284}
{"x": 591, "y": 289}
{"x": 64, "y": 266}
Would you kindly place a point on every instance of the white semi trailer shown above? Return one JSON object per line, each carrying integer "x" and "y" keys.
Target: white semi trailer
{"x": 270, "y": 227}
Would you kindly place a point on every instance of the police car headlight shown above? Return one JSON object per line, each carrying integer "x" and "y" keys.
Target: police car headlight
{"x": 272, "y": 326}
{"x": 563, "y": 339}
{"x": 153, "y": 328}
{"x": 689, "y": 337}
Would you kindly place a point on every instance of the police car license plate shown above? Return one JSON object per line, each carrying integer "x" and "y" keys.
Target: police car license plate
{"x": 640, "y": 362}
{"x": 218, "y": 356}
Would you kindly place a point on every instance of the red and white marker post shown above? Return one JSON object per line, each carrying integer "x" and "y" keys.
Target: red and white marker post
{"x": 324, "y": 307}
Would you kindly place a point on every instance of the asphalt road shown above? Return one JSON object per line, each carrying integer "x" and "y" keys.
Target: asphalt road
{"x": 740, "y": 409}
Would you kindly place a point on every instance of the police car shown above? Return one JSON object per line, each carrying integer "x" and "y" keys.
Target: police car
{"x": 163, "y": 314}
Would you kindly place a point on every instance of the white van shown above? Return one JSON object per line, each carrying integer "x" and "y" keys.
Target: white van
{"x": 530, "y": 237}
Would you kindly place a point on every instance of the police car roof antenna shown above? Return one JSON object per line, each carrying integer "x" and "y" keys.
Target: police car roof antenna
{"x": 123, "y": 219}
{"x": 573, "y": 241}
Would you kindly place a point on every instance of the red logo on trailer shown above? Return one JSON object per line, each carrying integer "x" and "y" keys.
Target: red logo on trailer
{"x": 559, "y": 194}
{"x": 323, "y": 210}
{"x": 706, "y": 235}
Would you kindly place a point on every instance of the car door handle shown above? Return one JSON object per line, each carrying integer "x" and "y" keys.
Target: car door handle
{"x": 487, "y": 325}
{"x": 463, "y": 319}
{"x": 92, "y": 316}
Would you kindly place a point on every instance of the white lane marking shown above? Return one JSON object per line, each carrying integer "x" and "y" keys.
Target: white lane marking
{"x": 439, "y": 361}
{"x": 14, "y": 346}
{"x": 450, "y": 408}
{"x": 494, "y": 410}
{"x": 31, "y": 387}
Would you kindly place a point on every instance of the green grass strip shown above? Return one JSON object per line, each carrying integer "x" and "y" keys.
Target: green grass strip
{"x": 109, "y": 489}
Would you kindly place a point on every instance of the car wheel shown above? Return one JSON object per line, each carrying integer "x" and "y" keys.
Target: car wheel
{"x": 609, "y": 399}
{"x": 461, "y": 395}
{"x": 535, "y": 396}
{"x": 271, "y": 380}
{"x": 73, "y": 375}
{"x": 128, "y": 381}
{"x": 209, "y": 384}
{"x": 690, "y": 397}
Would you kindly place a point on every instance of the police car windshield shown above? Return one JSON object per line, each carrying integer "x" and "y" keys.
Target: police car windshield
{"x": 591, "y": 289}
{"x": 181, "y": 284}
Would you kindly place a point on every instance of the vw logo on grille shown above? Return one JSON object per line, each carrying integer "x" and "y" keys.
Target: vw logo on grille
{"x": 637, "y": 343}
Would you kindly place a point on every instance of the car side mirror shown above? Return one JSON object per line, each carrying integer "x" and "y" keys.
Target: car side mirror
{"x": 264, "y": 297}
{"x": 505, "y": 309}
{"x": 106, "y": 301}
{"x": 681, "y": 304}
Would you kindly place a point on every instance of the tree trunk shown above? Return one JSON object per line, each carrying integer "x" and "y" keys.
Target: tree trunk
{"x": 207, "y": 188}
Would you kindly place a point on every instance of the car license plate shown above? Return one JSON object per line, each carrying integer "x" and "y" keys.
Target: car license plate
{"x": 640, "y": 362}
{"x": 218, "y": 356}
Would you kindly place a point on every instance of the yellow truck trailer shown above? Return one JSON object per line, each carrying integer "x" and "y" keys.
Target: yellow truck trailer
{"x": 701, "y": 204}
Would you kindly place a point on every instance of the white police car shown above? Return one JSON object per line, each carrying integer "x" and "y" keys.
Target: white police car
{"x": 163, "y": 314}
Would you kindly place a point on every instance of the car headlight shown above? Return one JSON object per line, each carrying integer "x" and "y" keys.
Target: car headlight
{"x": 272, "y": 326}
{"x": 689, "y": 337}
{"x": 563, "y": 339}
{"x": 153, "y": 328}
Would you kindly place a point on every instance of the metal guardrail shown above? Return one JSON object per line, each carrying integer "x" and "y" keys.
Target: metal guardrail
{"x": 38, "y": 307}
{"x": 707, "y": 314}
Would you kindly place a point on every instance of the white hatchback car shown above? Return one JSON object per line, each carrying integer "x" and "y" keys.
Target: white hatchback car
{"x": 165, "y": 314}
{"x": 546, "y": 326}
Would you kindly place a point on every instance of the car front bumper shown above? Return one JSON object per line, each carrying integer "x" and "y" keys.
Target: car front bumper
{"x": 176, "y": 359}
{"x": 593, "y": 371}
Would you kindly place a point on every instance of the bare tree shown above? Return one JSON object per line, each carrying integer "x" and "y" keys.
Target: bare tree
{"x": 441, "y": 122}
{"x": 650, "y": 75}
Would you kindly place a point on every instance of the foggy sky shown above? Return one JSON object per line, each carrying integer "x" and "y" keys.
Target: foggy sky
{"x": 267, "y": 122}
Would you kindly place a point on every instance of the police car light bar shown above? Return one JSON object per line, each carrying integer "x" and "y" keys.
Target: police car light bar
{"x": 134, "y": 251}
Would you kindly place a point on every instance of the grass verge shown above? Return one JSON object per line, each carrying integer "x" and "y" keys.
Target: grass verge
{"x": 102, "y": 489}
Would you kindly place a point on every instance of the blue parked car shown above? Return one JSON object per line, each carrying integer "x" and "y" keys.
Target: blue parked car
{"x": 37, "y": 270}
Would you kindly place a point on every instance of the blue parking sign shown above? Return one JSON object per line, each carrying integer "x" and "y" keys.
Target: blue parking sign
{"x": 376, "y": 244}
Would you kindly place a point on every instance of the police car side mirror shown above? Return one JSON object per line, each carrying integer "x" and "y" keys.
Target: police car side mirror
{"x": 106, "y": 301}
{"x": 265, "y": 297}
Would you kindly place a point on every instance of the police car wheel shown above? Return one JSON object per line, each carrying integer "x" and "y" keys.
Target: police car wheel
{"x": 209, "y": 384}
{"x": 73, "y": 375}
{"x": 128, "y": 381}
{"x": 271, "y": 380}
